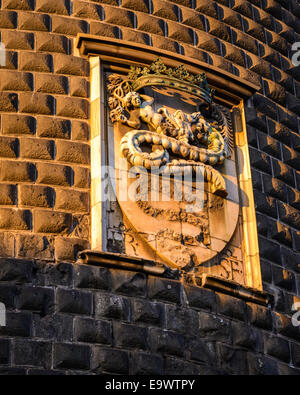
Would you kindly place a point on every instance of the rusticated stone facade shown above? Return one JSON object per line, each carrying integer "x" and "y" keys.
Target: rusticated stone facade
{"x": 68, "y": 319}
{"x": 64, "y": 318}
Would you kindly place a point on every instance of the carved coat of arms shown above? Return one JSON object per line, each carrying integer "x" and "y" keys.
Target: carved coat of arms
{"x": 165, "y": 121}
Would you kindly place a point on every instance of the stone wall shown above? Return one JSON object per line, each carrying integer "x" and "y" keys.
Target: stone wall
{"x": 67, "y": 319}
{"x": 44, "y": 193}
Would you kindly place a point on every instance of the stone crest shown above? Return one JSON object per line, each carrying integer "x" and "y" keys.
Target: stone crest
{"x": 165, "y": 121}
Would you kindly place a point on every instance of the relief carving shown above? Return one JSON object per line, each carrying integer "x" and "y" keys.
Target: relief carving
{"x": 151, "y": 133}
{"x": 190, "y": 138}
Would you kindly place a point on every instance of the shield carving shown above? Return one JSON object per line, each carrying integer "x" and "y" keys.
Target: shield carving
{"x": 173, "y": 156}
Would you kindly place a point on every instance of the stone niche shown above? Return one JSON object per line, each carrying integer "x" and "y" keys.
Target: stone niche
{"x": 171, "y": 181}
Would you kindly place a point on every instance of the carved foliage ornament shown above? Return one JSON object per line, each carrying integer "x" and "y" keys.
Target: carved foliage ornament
{"x": 171, "y": 141}
{"x": 183, "y": 134}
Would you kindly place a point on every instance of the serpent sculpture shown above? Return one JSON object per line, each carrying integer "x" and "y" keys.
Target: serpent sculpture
{"x": 178, "y": 140}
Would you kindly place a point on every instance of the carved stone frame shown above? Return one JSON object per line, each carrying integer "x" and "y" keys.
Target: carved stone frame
{"x": 230, "y": 91}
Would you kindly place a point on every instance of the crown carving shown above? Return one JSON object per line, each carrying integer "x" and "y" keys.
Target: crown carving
{"x": 159, "y": 74}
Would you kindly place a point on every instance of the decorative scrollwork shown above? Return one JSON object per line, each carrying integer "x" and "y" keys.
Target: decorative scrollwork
{"x": 197, "y": 139}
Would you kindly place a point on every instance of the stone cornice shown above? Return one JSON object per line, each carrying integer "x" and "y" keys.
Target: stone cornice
{"x": 120, "y": 54}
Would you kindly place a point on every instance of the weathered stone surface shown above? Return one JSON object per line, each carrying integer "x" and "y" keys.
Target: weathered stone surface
{"x": 202, "y": 351}
{"x": 200, "y": 298}
{"x": 289, "y": 215}
{"x": 78, "y": 302}
{"x": 58, "y": 327}
{"x": 71, "y": 65}
{"x": 135, "y": 36}
{"x": 9, "y": 147}
{"x": 261, "y": 365}
{"x": 149, "y": 24}
{"x": 168, "y": 342}
{"x": 92, "y": 331}
{"x": 87, "y": 10}
{"x": 53, "y": 127}
{"x": 32, "y": 22}
{"x": 8, "y": 102}
{"x": 33, "y": 195}
{"x": 45, "y": 221}
{"x": 81, "y": 177}
{"x": 182, "y": 320}
{"x": 47, "y": 274}
{"x": 112, "y": 306}
{"x": 247, "y": 337}
{"x": 159, "y": 326}
{"x": 54, "y": 43}
{"x": 142, "y": 6}
{"x": 67, "y": 249}
{"x": 233, "y": 360}
{"x": 36, "y": 299}
{"x": 265, "y": 204}
{"x": 17, "y": 40}
{"x": 193, "y": 19}
{"x": 284, "y": 278}
{"x": 18, "y": 325}
{"x": 71, "y": 200}
{"x": 53, "y": 174}
{"x": 7, "y": 244}
{"x": 15, "y": 219}
{"x": 79, "y": 87}
{"x": 163, "y": 289}
{"x": 72, "y": 107}
{"x": 280, "y": 232}
{"x": 4, "y": 351}
{"x": 275, "y": 188}
{"x": 111, "y": 361}
{"x": 80, "y": 131}
{"x": 129, "y": 283}
{"x": 259, "y": 316}
{"x": 214, "y": 328}
{"x": 34, "y": 353}
{"x": 36, "y": 103}
{"x": 231, "y": 307}
{"x": 72, "y": 356}
{"x": 105, "y": 29}
{"x": 284, "y": 326}
{"x": 68, "y": 26}
{"x": 130, "y": 336}
{"x": 208, "y": 8}
{"x": 34, "y": 246}
{"x": 295, "y": 350}
{"x": 73, "y": 152}
{"x": 12, "y": 81}
{"x": 148, "y": 312}
{"x": 53, "y": 6}
{"x": 260, "y": 160}
{"x": 19, "y": 271}
{"x": 278, "y": 348}
{"x": 118, "y": 16}
{"x": 176, "y": 366}
{"x": 180, "y": 33}
{"x": 31, "y": 148}
{"x": 92, "y": 277}
{"x": 17, "y": 124}
{"x": 147, "y": 364}
{"x": 51, "y": 84}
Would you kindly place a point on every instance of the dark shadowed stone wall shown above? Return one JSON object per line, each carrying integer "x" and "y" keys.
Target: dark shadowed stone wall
{"x": 79, "y": 319}
{"x": 67, "y": 318}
